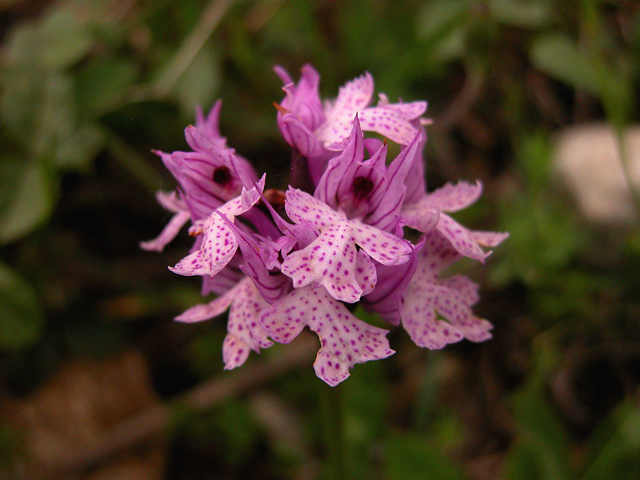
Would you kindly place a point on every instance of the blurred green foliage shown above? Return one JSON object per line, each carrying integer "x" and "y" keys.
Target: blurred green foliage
{"x": 88, "y": 88}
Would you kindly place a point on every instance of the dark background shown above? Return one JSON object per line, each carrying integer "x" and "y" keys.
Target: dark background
{"x": 87, "y": 339}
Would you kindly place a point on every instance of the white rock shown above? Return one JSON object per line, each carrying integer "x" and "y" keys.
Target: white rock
{"x": 588, "y": 159}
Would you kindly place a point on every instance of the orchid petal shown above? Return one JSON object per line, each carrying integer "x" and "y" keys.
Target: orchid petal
{"x": 388, "y": 122}
{"x": 329, "y": 261}
{"x": 219, "y": 243}
{"x": 460, "y": 237}
{"x": 243, "y": 327}
{"x": 366, "y": 274}
{"x": 299, "y": 136}
{"x": 345, "y": 340}
{"x": 300, "y": 205}
{"x": 171, "y": 201}
{"x": 489, "y": 239}
{"x": 381, "y": 246}
{"x": 451, "y": 198}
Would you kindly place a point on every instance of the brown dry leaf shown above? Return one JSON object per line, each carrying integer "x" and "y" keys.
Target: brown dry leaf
{"x": 81, "y": 401}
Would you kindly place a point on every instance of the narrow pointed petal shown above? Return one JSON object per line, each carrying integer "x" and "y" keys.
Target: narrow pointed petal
{"x": 387, "y": 201}
{"x": 328, "y": 189}
{"x": 299, "y": 136}
{"x": 207, "y": 311}
{"x": 209, "y": 126}
{"x": 345, "y": 340}
{"x": 169, "y": 232}
{"x": 302, "y": 100}
{"x": 171, "y": 201}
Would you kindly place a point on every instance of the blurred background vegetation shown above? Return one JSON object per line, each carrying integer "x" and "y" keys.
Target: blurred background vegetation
{"x": 87, "y": 341}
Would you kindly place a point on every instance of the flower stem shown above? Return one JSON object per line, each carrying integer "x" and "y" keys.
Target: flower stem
{"x": 333, "y": 430}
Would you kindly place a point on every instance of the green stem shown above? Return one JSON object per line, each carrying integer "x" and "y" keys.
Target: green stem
{"x": 333, "y": 429}
{"x": 183, "y": 57}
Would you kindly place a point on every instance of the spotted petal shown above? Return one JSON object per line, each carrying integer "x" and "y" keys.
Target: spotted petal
{"x": 330, "y": 261}
{"x": 391, "y": 123}
{"x": 428, "y": 296}
{"x": 345, "y": 340}
{"x": 300, "y": 205}
{"x": 381, "y": 246}
{"x": 244, "y": 330}
{"x": 219, "y": 243}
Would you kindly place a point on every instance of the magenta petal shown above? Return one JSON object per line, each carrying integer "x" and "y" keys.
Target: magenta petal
{"x": 209, "y": 126}
{"x": 299, "y": 136}
{"x": 391, "y": 285}
{"x": 345, "y": 340}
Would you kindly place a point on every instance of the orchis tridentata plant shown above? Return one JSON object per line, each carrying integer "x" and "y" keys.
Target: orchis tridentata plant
{"x": 366, "y": 231}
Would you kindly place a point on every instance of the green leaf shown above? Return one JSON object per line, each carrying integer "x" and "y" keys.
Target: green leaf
{"x": 530, "y": 14}
{"x": 29, "y": 201}
{"x": 21, "y": 316}
{"x": 411, "y": 457}
{"x": 560, "y": 57}
{"x": 442, "y": 24}
{"x": 77, "y": 150}
{"x": 65, "y": 37}
{"x": 103, "y": 83}
{"x": 615, "y": 446}
{"x": 542, "y": 443}
{"x": 199, "y": 82}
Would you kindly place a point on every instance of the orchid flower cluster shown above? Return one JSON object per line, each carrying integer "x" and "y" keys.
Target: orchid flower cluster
{"x": 280, "y": 261}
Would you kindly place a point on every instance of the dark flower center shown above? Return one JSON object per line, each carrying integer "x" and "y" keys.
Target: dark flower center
{"x": 362, "y": 187}
{"x": 222, "y": 175}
